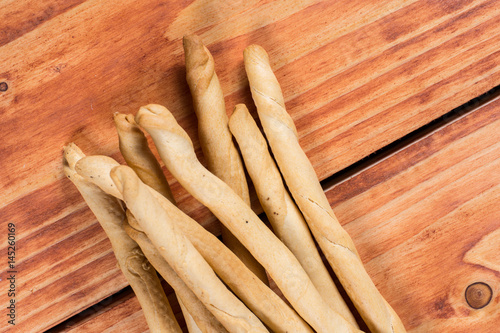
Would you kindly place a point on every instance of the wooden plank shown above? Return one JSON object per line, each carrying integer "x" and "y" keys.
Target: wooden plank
{"x": 356, "y": 76}
{"x": 120, "y": 312}
{"x": 426, "y": 222}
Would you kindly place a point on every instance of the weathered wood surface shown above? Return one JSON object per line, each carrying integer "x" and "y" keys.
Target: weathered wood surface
{"x": 356, "y": 76}
{"x": 427, "y": 224}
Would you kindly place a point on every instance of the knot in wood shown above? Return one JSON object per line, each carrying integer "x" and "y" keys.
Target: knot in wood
{"x": 478, "y": 295}
{"x": 4, "y": 86}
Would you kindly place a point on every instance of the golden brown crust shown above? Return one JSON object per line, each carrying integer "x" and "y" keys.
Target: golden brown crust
{"x": 285, "y": 218}
{"x": 180, "y": 159}
{"x": 136, "y": 152}
{"x": 182, "y": 256}
{"x": 216, "y": 140}
{"x": 141, "y": 276}
{"x": 306, "y": 190}
{"x": 192, "y": 307}
{"x": 268, "y": 306}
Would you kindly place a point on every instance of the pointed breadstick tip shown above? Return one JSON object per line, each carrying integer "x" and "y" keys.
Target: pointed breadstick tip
{"x": 195, "y": 52}
{"x": 124, "y": 122}
{"x": 147, "y": 115}
{"x": 240, "y": 110}
{"x": 255, "y": 51}
{"x": 191, "y": 40}
{"x": 124, "y": 178}
{"x": 95, "y": 169}
{"x": 154, "y": 116}
{"x": 72, "y": 154}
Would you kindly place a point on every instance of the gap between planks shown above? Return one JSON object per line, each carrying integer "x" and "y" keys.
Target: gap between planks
{"x": 410, "y": 138}
{"x": 339, "y": 177}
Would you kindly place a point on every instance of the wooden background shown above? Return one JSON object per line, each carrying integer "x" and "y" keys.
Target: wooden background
{"x": 357, "y": 76}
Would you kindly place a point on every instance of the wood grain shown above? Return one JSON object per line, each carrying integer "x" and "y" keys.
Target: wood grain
{"x": 356, "y": 76}
{"x": 426, "y": 220}
{"x": 118, "y": 313}
{"x": 427, "y": 225}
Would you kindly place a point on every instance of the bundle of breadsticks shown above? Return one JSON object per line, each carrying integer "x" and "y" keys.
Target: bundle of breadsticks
{"x": 223, "y": 286}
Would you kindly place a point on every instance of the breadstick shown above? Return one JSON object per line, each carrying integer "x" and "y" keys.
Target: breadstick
{"x": 192, "y": 308}
{"x": 182, "y": 255}
{"x": 268, "y": 306}
{"x": 135, "y": 150}
{"x": 305, "y": 188}
{"x": 285, "y": 218}
{"x": 191, "y": 325}
{"x": 140, "y": 275}
{"x": 95, "y": 169}
{"x": 216, "y": 141}
{"x": 177, "y": 152}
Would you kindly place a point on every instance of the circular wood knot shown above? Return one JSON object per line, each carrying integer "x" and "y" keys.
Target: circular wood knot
{"x": 4, "y": 86}
{"x": 478, "y": 295}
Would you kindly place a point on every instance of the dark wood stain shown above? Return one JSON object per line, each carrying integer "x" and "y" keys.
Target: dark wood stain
{"x": 443, "y": 308}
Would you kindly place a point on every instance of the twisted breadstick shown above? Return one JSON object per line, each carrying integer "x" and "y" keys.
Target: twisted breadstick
{"x": 177, "y": 152}
{"x": 182, "y": 255}
{"x": 285, "y": 218}
{"x": 140, "y": 275}
{"x": 135, "y": 150}
{"x": 216, "y": 141}
{"x": 303, "y": 183}
{"x": 191, "y": 307}
{"x": 268, "y": 306}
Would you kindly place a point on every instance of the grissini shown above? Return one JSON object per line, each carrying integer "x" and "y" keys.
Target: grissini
{"x": 136, "y": 152}
{"x": 191, "y": 324}
{"x": 216, "y": 141}
{"x": 283, "y": 214}
{"x": 96, "y": 169}
{"x": 268, "y": 306}
{"x": 182, "y": 256}
{"x": 177, "y": 152}
{"x": 194, "y": 311}
{"x": 132, "y": 262}
{"x": 306, "y": 190}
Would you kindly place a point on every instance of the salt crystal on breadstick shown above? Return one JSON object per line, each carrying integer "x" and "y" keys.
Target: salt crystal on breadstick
{"x": 268, "y": 306}
{"x": 285, "y": 218}
{"x": 132, "y": 262}
{"x": 135, "y": 150}
{"x": 177, "y": 152}
{"x": 306, "y": 190}
{"x": 216, "y": 141}
{"x": 192, "y": 308}
{"x": 182, "y": 256}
